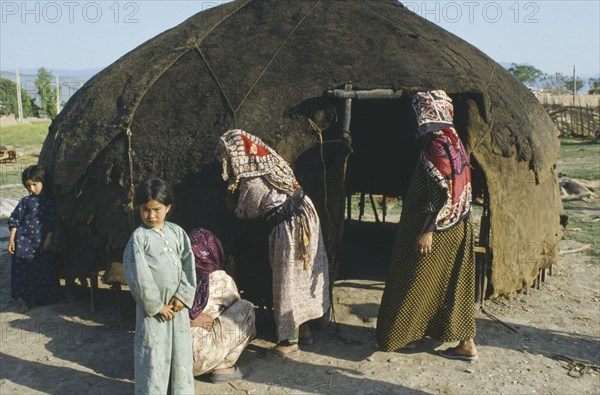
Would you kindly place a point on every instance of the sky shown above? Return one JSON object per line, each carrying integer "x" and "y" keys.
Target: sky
{"x": 552, "y": 35}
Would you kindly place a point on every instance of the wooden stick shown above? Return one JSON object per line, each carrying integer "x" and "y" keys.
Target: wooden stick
{"x": 349, "y": 207}
{"x": 361, "y": 206}
{"x": 585, "y": 247}
{"x": 374, "y": 207}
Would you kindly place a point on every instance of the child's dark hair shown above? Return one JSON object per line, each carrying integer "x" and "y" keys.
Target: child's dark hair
{"x": 153, "y": 189}
{"x": 35, "y": 173}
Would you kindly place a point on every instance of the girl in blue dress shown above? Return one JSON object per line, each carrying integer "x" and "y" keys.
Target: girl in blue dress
{"x": 33, "y": 275}
{"x": 160, "y": 271}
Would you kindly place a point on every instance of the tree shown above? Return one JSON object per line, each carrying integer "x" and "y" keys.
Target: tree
{"x": 525, "y": 73}
{"x": 594, "y": 86}
{"x": 8, "y": 100}
{"x": 554, "y": 83}
{"x": 569, "y": 83}
{"x": 43, "y": 84}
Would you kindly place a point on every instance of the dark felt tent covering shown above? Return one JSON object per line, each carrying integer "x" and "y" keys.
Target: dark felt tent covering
{"x": 264, "y": 66}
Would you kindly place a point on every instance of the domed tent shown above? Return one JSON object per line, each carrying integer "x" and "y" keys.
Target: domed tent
{"x": 327, "y": 84}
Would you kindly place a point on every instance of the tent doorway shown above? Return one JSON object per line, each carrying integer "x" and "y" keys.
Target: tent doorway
{"x": 375, "y": 178}
{"x": 378, "y": 173}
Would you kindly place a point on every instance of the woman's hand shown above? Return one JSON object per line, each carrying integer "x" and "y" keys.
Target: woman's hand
{"x": 176, "y": 304}
{"x": 167, "y": 312}
{"x": 424, "y": 242}
{"x": 11, "y": 241}
{"x": 204, "y": 321}
{"x": 47, "y": 241}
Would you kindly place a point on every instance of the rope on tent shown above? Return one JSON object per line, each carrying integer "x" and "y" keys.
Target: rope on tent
{"x": 235, "y": 11}
{"x": 487, "y": 85}
{"x": 276, "y": 53}
{"x": 319, "y": 132}
{"x": 214, "y": 76}
{"x": 197, "y": 46}
{"x": 128, "y": 132}
{"x": 131, "y": 185}
{"x": 127, "y": 125}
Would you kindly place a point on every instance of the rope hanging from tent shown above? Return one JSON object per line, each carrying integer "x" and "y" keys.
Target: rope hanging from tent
{"x": 319, "y": 132}
{"x": 129, "y": 133}
{"x": 131, "y": 192}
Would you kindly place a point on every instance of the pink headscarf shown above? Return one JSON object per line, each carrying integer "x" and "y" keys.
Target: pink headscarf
{"x": 208, "y": 254}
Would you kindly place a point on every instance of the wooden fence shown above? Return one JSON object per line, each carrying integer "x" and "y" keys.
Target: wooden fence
{"x": 579, "y": 120}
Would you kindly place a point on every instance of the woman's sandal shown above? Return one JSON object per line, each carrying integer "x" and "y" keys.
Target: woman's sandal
{"x": 278, "y": 353}
{"x": 237, "y": 374}
{"x": 451, "y": 353}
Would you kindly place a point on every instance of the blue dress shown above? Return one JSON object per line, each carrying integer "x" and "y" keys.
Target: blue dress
{"x": 159, "y": 265}
{"x": 33, "y": 275}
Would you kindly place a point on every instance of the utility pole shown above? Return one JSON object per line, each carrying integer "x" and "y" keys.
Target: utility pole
{"x": 19, "y": 101}
{"x": 57, "y": 96}
{"x": 574, "y": 85}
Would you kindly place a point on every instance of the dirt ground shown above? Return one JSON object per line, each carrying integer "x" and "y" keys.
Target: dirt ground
{"x": 66, "y": 348}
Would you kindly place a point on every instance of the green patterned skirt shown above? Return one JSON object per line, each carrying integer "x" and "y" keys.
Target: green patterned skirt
{"x": 430, "y": 296}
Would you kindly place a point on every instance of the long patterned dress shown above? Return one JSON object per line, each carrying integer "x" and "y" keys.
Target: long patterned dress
{"x": 159, "y": 265}
{"x": 300, "y": 288}
{"x": 33, "y": 275}
{"x": 233, "y": 326}
{"x": 431, "y": 295}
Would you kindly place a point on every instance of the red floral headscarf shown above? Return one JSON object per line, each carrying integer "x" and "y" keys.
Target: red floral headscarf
{"x": 444, "y": 157}
{"x": 245, "y": 155}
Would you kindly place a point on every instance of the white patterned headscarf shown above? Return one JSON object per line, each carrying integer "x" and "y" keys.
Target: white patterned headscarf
{"x": 434, "y": 111}
{"x": 244, "y": 155}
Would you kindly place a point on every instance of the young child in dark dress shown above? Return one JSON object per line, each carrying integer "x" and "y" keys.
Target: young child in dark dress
{"x": 31, "y": 224}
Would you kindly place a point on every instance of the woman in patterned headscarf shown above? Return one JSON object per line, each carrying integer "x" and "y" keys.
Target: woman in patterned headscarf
{"x": 221, "y": 322}
{"x": 266, "y": 188}
{"x": 430, "y": 289}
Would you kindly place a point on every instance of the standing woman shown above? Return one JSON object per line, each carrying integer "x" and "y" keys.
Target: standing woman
{"x": 430, "y": 289}
{"x": 267, "y": 188}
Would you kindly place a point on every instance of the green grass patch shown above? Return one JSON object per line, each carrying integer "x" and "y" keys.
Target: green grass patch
{"x": 583, "y": 229}
{"x": 27, "y": 140}
{"x": 589, "y": 174}
{"x": 580, "y": 158}
{"x": 10, "y": 173}
{"x": 25, "y": 135}
{"x": 579, "y": 148}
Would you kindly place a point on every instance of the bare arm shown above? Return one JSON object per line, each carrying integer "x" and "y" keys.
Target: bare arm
{"x": 11, "y": 241}
{"x": 48, "y": 240}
